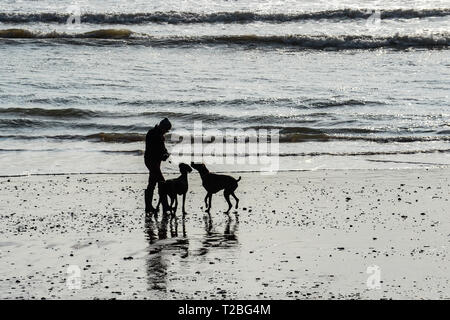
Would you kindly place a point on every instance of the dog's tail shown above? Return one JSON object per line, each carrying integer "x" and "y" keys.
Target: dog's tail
{"x": 239, "y": 179}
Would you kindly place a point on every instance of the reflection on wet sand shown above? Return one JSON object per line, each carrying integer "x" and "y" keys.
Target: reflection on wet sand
{"x": 213, "y": 239}
{"x": 163, "y": 249}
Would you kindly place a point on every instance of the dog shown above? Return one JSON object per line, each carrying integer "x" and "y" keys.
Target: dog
{"x": 174, "y": 187}
{"x": 213, "y": 183}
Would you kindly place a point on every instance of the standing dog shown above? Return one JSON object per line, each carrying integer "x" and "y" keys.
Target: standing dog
{"x": 213, "y": 183}
{"x": 174, "y": 187}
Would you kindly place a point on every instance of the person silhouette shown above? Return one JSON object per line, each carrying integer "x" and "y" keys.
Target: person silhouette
{"x": 155, "y": 153}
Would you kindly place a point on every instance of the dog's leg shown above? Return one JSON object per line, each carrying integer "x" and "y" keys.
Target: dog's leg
{"x": 235, "y": 198}
{"x": 184, "y": 202}
{"x": 210, "y": 201}
{"x": 208, "y": 196}
{"x": 226, "y": 194}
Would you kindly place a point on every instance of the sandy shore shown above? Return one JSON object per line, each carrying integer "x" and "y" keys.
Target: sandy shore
{"x": 297, "y": 235}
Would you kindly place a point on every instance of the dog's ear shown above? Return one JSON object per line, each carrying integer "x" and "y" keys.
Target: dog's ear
{"x": 185, "y": 167}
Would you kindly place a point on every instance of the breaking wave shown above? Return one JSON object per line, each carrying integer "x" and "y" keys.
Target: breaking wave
{"x": 95, "y": 34}
{"x": 173, "y": 17}
{"x": 314, "y": 42}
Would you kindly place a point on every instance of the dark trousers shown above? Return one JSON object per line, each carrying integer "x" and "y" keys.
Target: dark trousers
{"x": 155, "y": 177}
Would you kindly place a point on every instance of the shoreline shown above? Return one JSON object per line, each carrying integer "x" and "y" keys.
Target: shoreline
{"x": 263, "y": 173}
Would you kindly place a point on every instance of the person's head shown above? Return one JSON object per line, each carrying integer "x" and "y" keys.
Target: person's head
{"x": 165, "y": 125}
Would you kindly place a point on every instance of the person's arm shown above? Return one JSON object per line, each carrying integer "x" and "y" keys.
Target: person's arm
{"x": 164, "y": 153}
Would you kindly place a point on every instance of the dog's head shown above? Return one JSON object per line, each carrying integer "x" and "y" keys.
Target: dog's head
{"x": 184, "y": 168}
{"x": 200, "y": 167}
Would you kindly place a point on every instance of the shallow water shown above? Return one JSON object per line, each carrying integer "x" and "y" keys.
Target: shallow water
{"x": 343, "y": 90}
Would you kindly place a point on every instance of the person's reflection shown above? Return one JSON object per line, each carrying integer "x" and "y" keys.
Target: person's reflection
{"x": 162, "y": 226}
{"x": 160, "y": 254}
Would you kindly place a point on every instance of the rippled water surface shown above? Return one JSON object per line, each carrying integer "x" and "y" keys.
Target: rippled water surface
{"x": 347, "y": 84}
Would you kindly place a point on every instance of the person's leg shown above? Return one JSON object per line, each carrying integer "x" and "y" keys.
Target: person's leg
{"x": 150, "y": 188}
{"x": 149, "y": 194}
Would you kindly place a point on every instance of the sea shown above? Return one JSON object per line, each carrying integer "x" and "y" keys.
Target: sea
{"x": 336, "y": 85}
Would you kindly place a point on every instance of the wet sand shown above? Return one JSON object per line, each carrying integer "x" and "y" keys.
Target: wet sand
{"x": 297, "y": 235}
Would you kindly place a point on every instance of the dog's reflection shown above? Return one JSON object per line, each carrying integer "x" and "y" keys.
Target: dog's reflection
{"x": 168, "y": 240}
{"x": 213, "y": 239}
{"x": 162, "y": 248}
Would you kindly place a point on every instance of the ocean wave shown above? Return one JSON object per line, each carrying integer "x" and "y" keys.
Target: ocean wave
{"x": 50, "y": 113}
{"x": 95, "y": 34}
{"x": 186, "y": 115}
{"x": 377, "y": 139}
{"x": 300, "y": 103}
{"x": 116, "y": 137}
{"x": 173, "y": 17}
{"x": 285, "y": 136}
{"x": 363, "y": 153}
{"x": 285, "y": 102}
{"x": 21, "y": 123}
{"x": 140, "y": 153}
{"x": 299, "y": 154}
{"x": 314, "y": 42}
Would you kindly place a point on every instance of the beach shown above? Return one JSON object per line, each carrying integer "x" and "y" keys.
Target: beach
{"x": 324, "y": 234}
{"x": 345, "y": 102}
